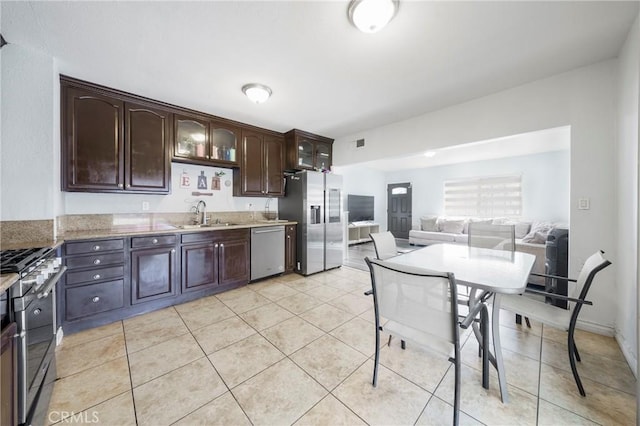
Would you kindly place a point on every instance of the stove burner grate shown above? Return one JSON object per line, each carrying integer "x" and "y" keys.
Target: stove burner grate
{"x": 19, "y": 260}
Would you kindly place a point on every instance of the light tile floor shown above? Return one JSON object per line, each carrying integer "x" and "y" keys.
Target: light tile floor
{"x": 295, "y": 350}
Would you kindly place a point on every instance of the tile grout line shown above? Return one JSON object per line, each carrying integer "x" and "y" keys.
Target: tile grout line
{"x": 133, "y": 397}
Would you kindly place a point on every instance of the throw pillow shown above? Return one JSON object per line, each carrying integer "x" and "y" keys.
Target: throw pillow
{"x": 452, "y": 226}
{"x": 522, "y": 229}
{"x": 429, "y": 224}
{"x": 538, "y": 233}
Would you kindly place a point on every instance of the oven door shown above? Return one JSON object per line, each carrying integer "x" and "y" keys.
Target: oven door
{"x": 36, "y": 324}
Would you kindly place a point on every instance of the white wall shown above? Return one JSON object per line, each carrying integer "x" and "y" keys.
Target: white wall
{"x": 27, "y": 146}
{"x": 583, "y": 99}
{"x": 627, "y": 177}
{"x": 180, "y": 199}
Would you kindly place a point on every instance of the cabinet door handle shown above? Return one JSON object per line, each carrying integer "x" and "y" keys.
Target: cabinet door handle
{"x": 119, "y": 185}
{"x": 96, "y": 247}
{"x": 96, "y": 277}
{"x": 128, "y": 185}
{"x": 96, "y": 262}
{"x": 173, "y": 250}
{"x": 215, "y": 245}
{"x": 95, "y": 299}
{"x": 221, "y": 245}
{"x": 154, "y": 241}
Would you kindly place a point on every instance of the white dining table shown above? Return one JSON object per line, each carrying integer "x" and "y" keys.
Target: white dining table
{"x": 496, "y": 271}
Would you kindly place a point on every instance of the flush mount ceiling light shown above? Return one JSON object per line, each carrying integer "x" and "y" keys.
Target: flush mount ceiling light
{"x": 370, "y": 16}
{"x": 257, "y": 93}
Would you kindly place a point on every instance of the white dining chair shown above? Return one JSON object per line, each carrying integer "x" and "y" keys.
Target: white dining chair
{"x": 421, "y": 307}
{"x": 384, "y": 244}
{"x": 558, "y": 317}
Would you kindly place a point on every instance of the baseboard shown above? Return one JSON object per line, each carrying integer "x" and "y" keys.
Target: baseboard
{"x": 631, "y": 358}
{"x": 595, "y": 328}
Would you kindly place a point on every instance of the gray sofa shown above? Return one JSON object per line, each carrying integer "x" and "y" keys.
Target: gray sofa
{"x": 530, "y": 236}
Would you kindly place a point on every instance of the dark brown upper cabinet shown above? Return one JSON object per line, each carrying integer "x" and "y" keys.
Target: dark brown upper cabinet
{"x": 147, "y": 146}
{"x": 199, "y": 140}
{"x": 306, "y": 151}
{"x": 262, "y": 166}
{"x": 112, "y": 145}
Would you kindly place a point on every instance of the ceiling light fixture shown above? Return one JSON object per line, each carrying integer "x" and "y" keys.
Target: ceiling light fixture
{"x": 370, "y": 16}
{"x": 257, "y": 93}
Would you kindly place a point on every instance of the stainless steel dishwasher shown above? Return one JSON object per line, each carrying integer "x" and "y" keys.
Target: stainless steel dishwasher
{"x": 267, "y": 251}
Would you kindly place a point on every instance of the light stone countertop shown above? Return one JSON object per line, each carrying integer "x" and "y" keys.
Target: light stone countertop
{"x": 7, "y": 280}
{"x": 123, "y": 231}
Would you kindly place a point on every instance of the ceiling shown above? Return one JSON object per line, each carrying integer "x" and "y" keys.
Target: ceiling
{"x": 556, "y": 139}
{"x": 327, "y": 77}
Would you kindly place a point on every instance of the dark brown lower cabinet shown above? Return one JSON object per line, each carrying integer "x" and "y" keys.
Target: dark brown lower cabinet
{"x": 290, "y": 248}
{"x": 153, "y": 274}
{"x": 113, "y": 279}
{"x": 211, "y": 259}
{"x": 233, "y": 260}
{"x": 199, "y": 266}
{"x": 8, "y": 376}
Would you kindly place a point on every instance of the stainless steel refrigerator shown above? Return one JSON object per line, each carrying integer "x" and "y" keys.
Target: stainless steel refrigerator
{"x": 314, "y": 200}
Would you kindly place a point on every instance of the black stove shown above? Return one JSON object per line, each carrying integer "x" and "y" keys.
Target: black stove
{"x": 18, "y": 260}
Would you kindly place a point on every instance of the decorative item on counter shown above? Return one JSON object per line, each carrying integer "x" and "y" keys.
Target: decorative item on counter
{"x": 202, "y": 181}
{"x": 185, "y": 180}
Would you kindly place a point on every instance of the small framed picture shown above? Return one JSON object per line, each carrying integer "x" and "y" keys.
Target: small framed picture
{"x": 215, "y": 183}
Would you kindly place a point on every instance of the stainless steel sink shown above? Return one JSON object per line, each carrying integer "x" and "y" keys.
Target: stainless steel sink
{"x": 208, "y": 225}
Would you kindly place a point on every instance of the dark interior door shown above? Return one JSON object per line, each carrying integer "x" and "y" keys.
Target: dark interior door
{"x": 399, "y": 209}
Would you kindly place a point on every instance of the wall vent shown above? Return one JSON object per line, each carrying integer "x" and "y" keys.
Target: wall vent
{"x": 359, "y": 143}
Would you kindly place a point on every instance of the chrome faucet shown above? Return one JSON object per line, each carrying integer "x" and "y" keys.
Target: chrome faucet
{"x": 203, "y": 221}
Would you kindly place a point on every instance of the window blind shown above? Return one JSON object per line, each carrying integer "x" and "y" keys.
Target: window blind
{"x": 484, "y": 197}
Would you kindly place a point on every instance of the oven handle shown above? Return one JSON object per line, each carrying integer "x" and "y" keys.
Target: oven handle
{"x": 45, "y": 293}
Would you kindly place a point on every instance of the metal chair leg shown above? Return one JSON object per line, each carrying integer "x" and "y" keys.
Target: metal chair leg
{"x": 575, "y": 348}
{"x": 572, "y": 361}
{"x": 403, "y": 345}
{"x": 377, "y": 358}
{"x": 456, "y": 393}
{"x": 526, "y": 320}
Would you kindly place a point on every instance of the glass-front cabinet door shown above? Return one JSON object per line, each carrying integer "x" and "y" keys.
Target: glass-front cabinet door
{"x": 224, "y": 144}
{"x": 323, "y": 157}
{"x": 305, "y": 154}
{"x": 191, "y": 138}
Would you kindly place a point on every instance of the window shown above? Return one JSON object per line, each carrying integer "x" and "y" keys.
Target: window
{"x": 484, "y": 197}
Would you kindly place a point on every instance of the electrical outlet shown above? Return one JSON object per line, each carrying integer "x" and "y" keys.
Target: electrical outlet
{"x": 583, "y": 204}
{"x": 145, "y": 206}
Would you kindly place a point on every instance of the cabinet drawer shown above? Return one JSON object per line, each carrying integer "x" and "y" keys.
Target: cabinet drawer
{"x": 94, "y": 246}
{"x": 96, "y": 274}
{"x": 94, "y": 260}
{"x": 93, "y": 299}
{"x": 218, "y": 235}
{"x": 160, "y": 240}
